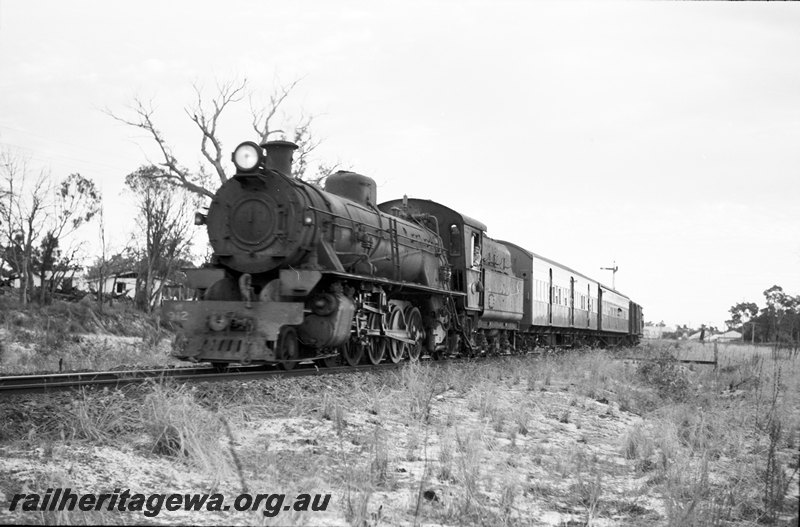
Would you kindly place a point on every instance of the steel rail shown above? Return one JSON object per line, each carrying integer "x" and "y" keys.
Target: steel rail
{"x": 44, "y": 383}
{"x": 113, "y": 379}
{"x": 685, "y": 361}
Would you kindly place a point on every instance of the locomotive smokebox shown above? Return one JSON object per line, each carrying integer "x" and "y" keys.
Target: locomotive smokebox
{"x": 279, "y": 156}
{"x": 352, "y": 186}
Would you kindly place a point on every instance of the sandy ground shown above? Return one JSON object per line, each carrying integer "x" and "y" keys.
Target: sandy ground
{"x": 514, "y": 455}
{"x": 533, "y": 447}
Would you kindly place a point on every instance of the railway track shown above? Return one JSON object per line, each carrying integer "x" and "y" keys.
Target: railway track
{"x": 112, "y": 379}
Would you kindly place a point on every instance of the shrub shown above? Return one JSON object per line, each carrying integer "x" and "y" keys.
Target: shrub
{"x": 666, "y": 375}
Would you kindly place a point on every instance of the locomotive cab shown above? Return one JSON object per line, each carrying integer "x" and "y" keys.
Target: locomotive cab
{"x": 481, "y": 270}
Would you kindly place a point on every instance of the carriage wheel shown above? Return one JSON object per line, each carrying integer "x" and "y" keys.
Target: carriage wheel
{"x": 397, "y": 349}
{"x": 288, "y": 348}
{"x": 376, "y": 347}
{"x": 415, "y": 331}
{"x": 352, "y": 353}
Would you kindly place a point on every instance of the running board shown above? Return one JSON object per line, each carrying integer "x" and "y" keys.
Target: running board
{"x": 403, "y": 285}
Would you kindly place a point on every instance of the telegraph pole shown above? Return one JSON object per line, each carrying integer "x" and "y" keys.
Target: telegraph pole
{"x": 613, "y": 270}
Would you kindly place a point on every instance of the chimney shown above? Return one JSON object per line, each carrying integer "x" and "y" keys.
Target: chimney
{"x": 279, "y": 156}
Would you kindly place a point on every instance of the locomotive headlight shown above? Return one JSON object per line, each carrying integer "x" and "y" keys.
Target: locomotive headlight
{"x": 247, "y": 156}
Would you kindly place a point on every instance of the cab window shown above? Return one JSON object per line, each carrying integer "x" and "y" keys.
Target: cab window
{"x": 475, "y": 251}
{"x": 455, "y": 240}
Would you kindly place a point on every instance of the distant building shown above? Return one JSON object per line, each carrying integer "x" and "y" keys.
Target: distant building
{"x": 64, "y": 281}
{"x": 728, "y": 336}
{"x": 696, "y": 335}
{"x": 16, "y": 282}
{"x": 124, "y": 285}
{"x": 656, "y": 331}
{"x": 118, "y": 285}
{"x": 707, "y": 335}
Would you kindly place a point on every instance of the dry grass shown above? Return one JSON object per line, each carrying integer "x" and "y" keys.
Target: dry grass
{"x": 65, "y": 336}
{"x": 716, "y": 446}
{"x": 179, "y": 427}
{"x": 576, "y": 438}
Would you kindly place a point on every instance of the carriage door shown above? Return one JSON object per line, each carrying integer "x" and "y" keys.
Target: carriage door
{"x": 599, "y": 309}
{"x": 474, "y": 261}
{"x": 572, "y": 301}
{"x": 550, "y": 299}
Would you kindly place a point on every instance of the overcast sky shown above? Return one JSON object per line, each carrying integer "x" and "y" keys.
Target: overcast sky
{"x": 662, "y": 136}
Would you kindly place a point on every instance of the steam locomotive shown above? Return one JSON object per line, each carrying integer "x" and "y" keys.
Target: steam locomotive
{"x": 301, "y": 273}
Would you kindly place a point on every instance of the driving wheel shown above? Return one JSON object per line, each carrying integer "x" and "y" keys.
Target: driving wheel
{"x": 376, "y": 345}
{"x": 352, "y": 353}
{"x": 416, "y": 333}
{"x": 397, "y": 322}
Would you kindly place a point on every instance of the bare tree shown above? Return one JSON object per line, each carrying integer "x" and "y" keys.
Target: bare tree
{"x": 102, "y": 267}
{"x": 23, "y": 215}
{"x": 264, "y": 116}
{"x": 206, "y": 114}
{"x": 76, "y": 201}
{"x": 173, "y": 171}
{"x": 164, "y": 240}
{"x": 103, "y": 258}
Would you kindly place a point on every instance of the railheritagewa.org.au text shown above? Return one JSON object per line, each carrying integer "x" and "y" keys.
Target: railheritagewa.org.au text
{"x": 60, "y": 499}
